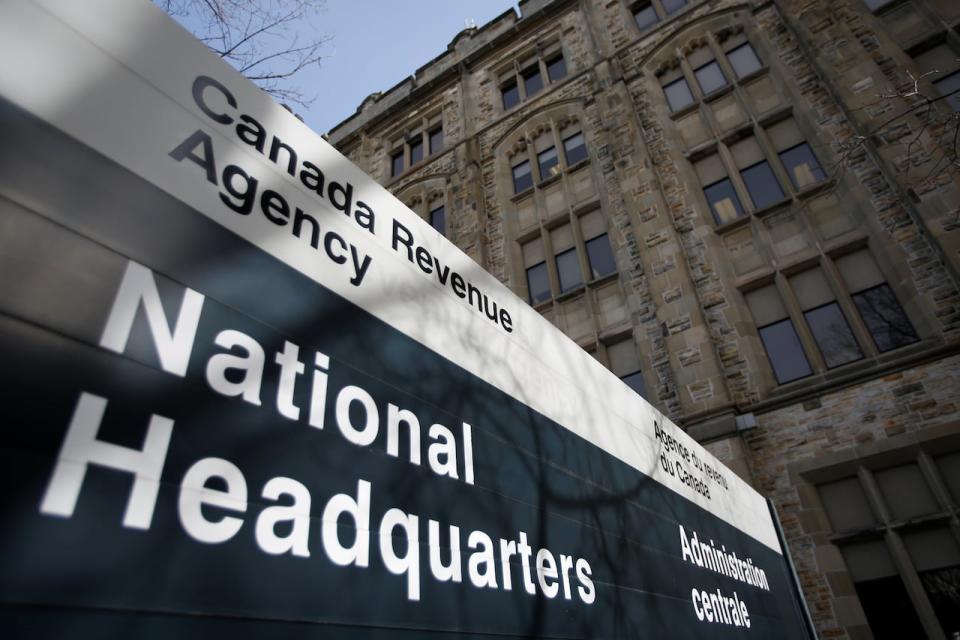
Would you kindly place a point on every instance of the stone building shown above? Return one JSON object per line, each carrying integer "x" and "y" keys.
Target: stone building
{"x": 749, "y": 211}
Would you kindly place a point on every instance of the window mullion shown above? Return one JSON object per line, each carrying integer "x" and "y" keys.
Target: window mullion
{"x": 849, "y": 309}
{"x": 901, "y": 559}
{"x": 795, "y": 312}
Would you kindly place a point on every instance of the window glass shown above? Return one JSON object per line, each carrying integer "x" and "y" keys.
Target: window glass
{"x": 538, "y": 283}
{"x": 784, "y": 351}
{"x": 723, "y": 200}
{"x": 847, "y": 507}
{"x": 556, "y": 68}
{"x": 672, "y": 6}
{"x": 645, "y": 16}
{"x": 574, "y": 149}
{"x": 876, "y": 4}
{"x": 532, "y": 80}
{"x": 802, "y": 166}
{"x": 416, "y": 150}
{"x": 833, "y": 335}
{"x": 635, "y": 382}
{"x": 522, "y": 179}
{"x": 436, "y": 140}
{"x": 396, "y": 163}
{"x": 549, "y": 162}
{"x": 885, "y": 318}
{"x": 568, "y": 270}
{"x": 949, "y": 466}
{"x": 625, "y": 364}
{"x": 880, "y": 590}
{"x": 510, "y": 93}
{"x": 744, "y": 60}
{"x": 600, "y": 256}
{"x": 762, "y": 184}
{"x": 949, "y": 87}
{"x": 678, "y": 94}
{"x": 438, "y": 220}
{"x": 710, "y": 77}
{"x": 905, "y": 492}
{"x": 937, "y": 558}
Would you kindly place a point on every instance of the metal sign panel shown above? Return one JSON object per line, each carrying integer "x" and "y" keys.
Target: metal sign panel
{"x": 244, "y": 389}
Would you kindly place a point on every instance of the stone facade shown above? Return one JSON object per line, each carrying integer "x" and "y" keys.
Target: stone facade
{"x": 696, "y": 292}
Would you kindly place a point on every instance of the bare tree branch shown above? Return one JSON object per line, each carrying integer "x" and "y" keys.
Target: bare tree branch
{"x": 258, "y": 37}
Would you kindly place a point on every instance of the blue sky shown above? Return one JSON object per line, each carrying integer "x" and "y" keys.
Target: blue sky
{"x": 378, "y": 43}
{"x": 375, "y": 44}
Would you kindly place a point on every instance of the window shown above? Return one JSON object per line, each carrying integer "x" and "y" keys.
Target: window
{"x": 870, "y": 513}
{"x": 778, "y": 335}
{"x": 522, "y": 178}
{"x": 396, "y": 163}
{"x": 416, "y": 150}
{"x": 761, "y": 184}
{"x": 828, "y": 325}
{"x": 710, "y": 77}
{"x": 599, "y": 255}
{"x": 723, "y": 201}
{"x": 645, "y": 16}
{"x": 678, "y": 94}
{"x": 744, "y": 60}
{"x": 438, "y": 220}
{"x": 526, "y": 79}
{"x": 885, "y": 319}
{"x": 436, "y": 140}
{"x": 758, "y": 177}
{"x": 873, "y": 5}
{"x": 802, "y": 166}
{"x": 410, "y": 150}
{"x": 510, "y": 93}
{"x": 672, "y": 6}
{"x": 538, "y": 281}
{"x": 532, "y": 80}
{"x": 574, "y": 149}
{"x": 579, "y": 259}
{"x": 569, "y": 275}
{"x": 796, "y": 155}
{"x": 949, "y": 88}
{"x": 556, "y": 68}
{"x": 548, "y": 163}
{"x": 625, "y": 364}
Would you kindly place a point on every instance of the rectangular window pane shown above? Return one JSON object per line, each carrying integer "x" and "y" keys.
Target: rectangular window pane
{"x": 568, "y": 270}
{"x": 802, "y": 166}
{"x": 436, "y": 140}
{"x": 522, "y": 178}
{"x": 556, "y": 68}
{"x": 744, "y": 60}
{"x": 876, "y": 4}
{"x": 678, "y": 94}
{"x": 549, "y": 163}
{"x": 672, "y": 6}
{"x": 905, "y": 492}
{"x": 949, "y": 87}
{"x": 574, "y": 149}
{"x": 762, "y": 185}
{"x": 784, "y": 351}
{"x": 396, "y": 163}
{"x": 532, "y": 81}
{"x": 937, "y": 558}
{"x": 723, "y": 200}
{"x": 600, "y": 257}
{"x": 438, "y": 220}
{"x": 538, "y": 283}
{"x": 416, "y": 151}
{"x": 833, "y": 335}
{"x": 885, "y": 318}
{"x": 510, "y": 93}
{"x": 635, "y": 382}
{"x": 848, "y": 510}
{"x": 645, "y": 16}
{"x": 710, "y": 77}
